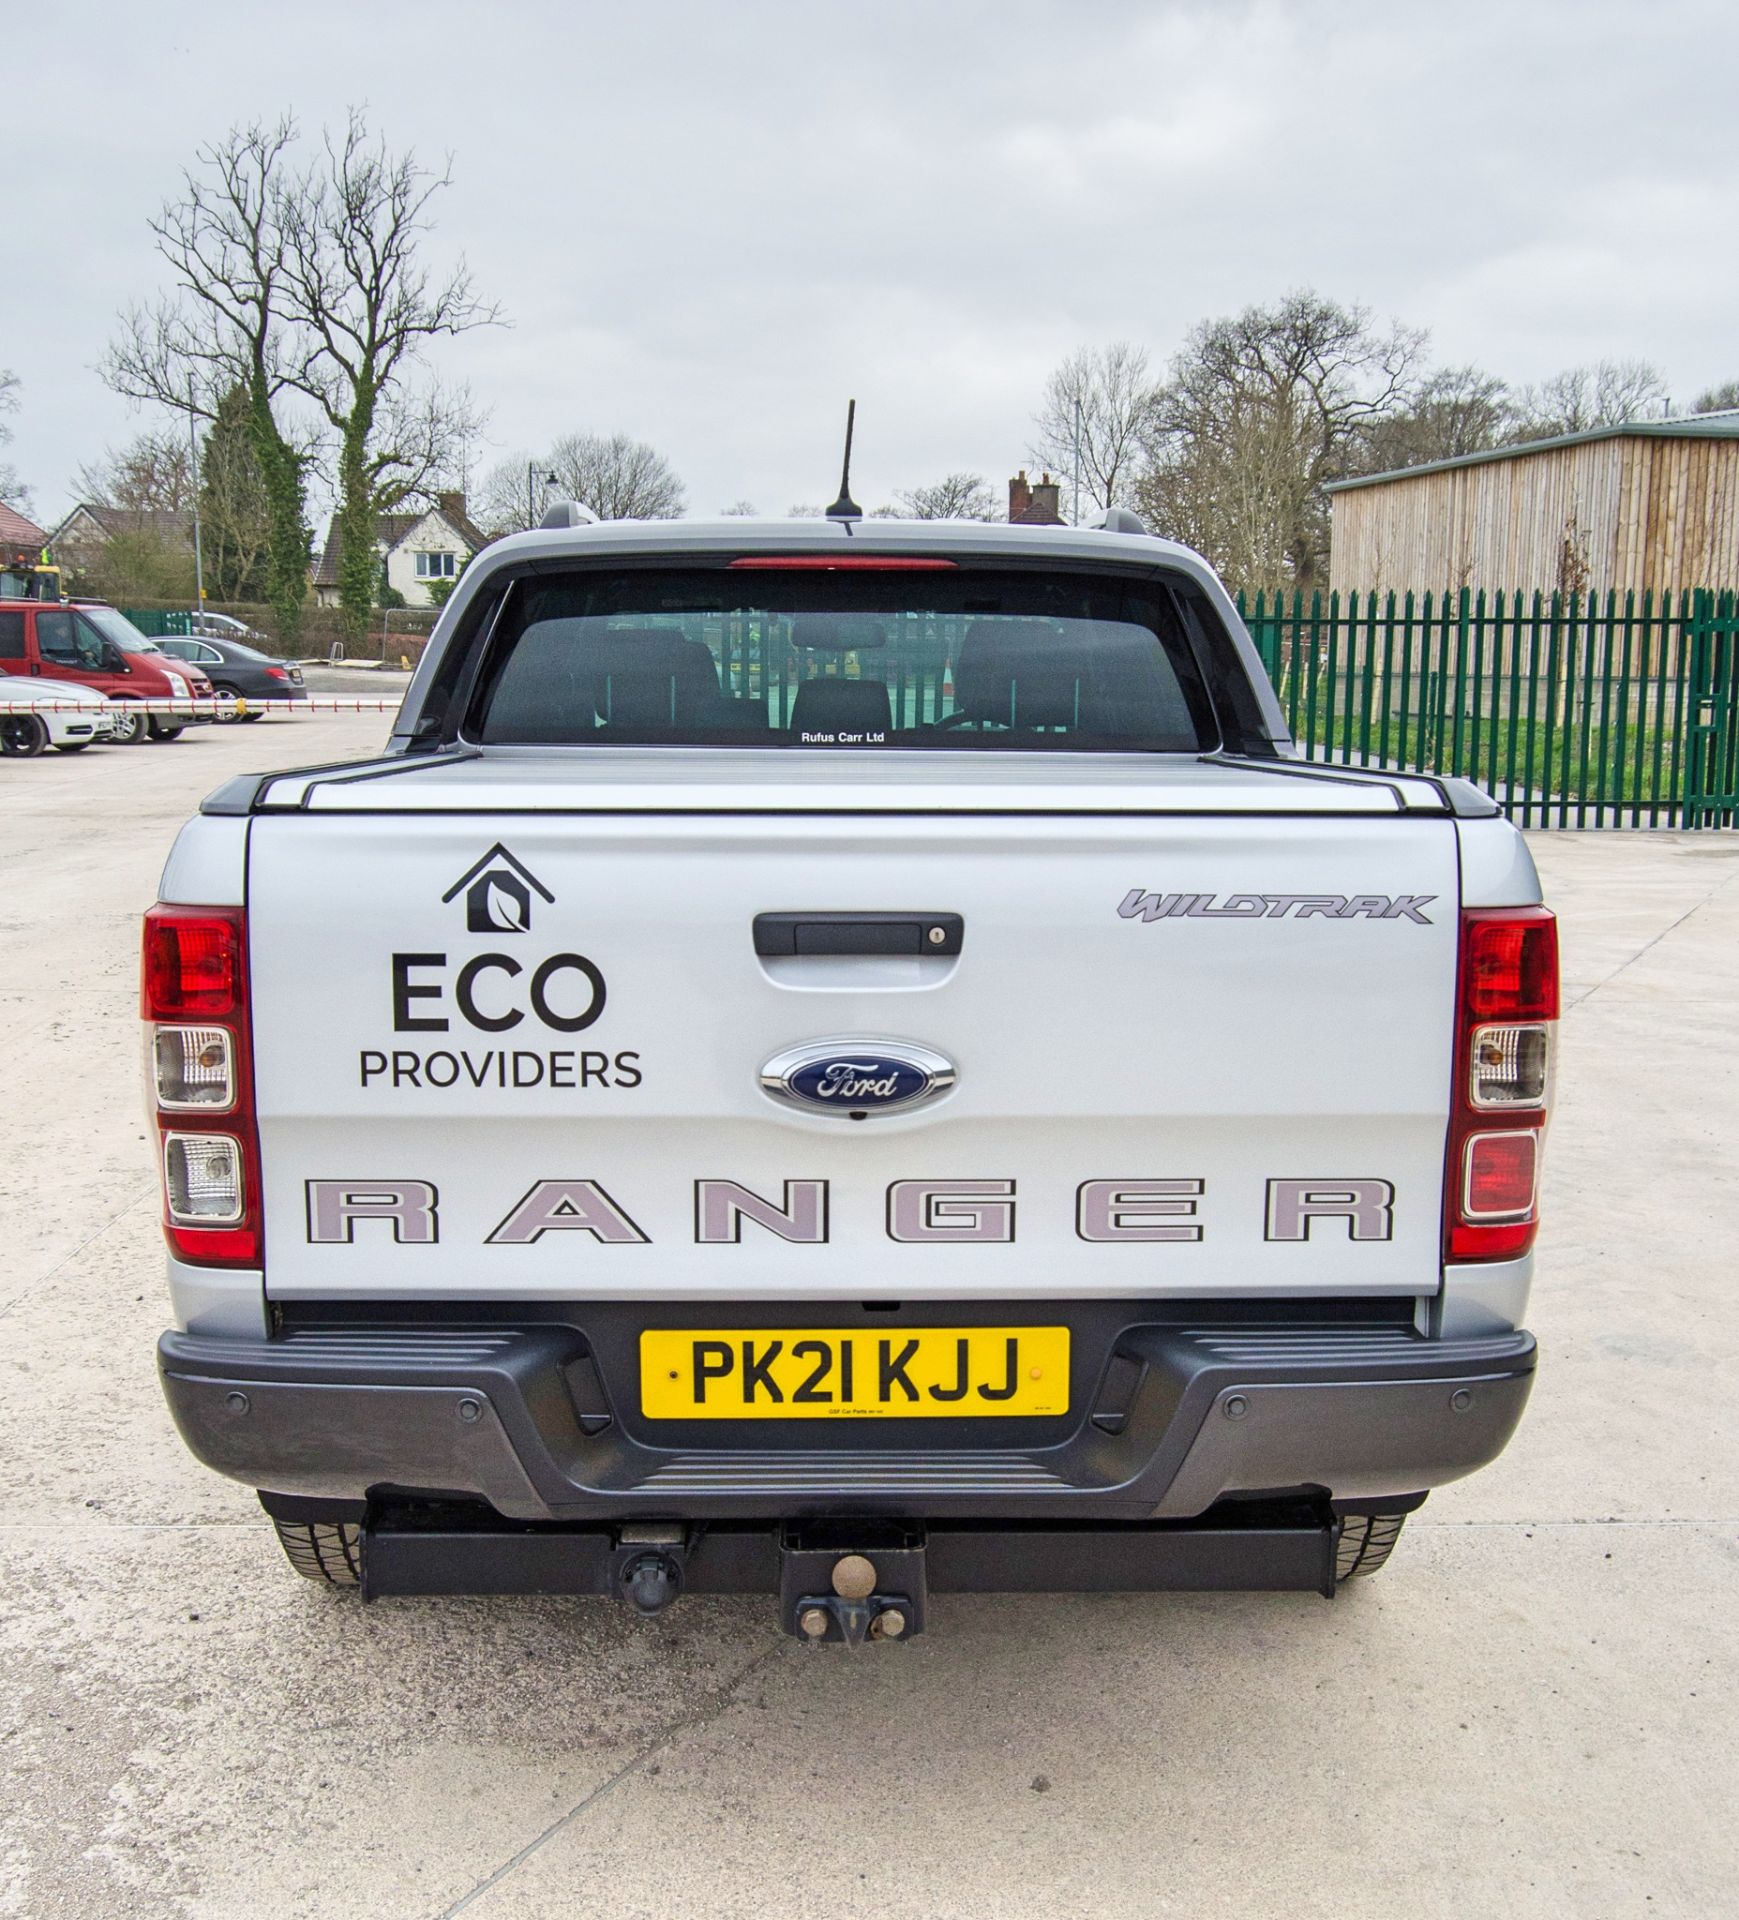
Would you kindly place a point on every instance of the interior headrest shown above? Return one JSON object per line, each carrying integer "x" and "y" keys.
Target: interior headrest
{"x": 1018, "y": 673}
{"x": 840, "y": 706}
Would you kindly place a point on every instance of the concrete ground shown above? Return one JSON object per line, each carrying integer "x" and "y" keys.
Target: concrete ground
{"x": 1532, "y": 1710}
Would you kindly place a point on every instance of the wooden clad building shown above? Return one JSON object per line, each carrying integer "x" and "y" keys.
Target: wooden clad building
{"x": 1654, "y": 503}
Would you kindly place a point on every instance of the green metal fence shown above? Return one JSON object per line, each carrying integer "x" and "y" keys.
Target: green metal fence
{"x": 155, "y": 625}
{"x": 1571, "y": 710}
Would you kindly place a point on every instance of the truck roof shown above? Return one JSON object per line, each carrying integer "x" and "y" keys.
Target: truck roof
{"x": 987, "y": 537}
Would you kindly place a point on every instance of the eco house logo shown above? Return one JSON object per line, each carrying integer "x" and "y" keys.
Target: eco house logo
{"x": 497, "y": 890}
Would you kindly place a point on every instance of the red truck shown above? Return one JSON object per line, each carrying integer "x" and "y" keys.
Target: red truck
{"x": 94, "y": 646}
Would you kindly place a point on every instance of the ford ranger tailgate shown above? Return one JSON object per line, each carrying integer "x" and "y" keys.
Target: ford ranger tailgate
{"x": 511, "y": 1027}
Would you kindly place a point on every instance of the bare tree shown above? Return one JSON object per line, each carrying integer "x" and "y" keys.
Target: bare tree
{"x": 1232, "y": 493}
{"x": 12, "y": 489}
{"x": 152, "y": 473}
{"x": 1721, "y": 398}
{"x": 958, "y": 496}
{"x": 513, "y": 495}
{"x": 355, "y": 286}
{"x": 223, "y": 326}
{"x": 739, "y": 510}
{"x": 1097, "y": 407}
{"x": 1297, "y": 389}
{"x": 1605, "y": 393}
{"x": 1454, "y": 411}
{"x": 617, "y": 477}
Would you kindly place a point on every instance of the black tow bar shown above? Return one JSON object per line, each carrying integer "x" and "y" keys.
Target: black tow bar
{"x": 846, "y": 1579}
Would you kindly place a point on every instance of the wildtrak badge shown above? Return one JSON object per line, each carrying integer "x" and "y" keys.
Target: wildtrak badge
{"x": 1276, "y": 906}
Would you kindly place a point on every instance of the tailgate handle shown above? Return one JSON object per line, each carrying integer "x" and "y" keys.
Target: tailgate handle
{"x": 854, "y": 933}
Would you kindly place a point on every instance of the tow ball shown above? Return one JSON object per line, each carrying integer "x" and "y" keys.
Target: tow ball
{"x": 876, "y": 1593}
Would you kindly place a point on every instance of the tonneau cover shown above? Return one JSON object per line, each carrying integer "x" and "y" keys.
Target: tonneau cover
{"x": 665, "y": 780}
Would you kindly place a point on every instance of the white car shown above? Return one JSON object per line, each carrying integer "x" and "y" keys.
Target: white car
{"x": 62, "y": 715}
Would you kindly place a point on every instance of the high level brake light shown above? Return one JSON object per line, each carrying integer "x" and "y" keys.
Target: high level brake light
{"x": 1505, "y": 1040}
{"x": 199, "y": 1070}
{"x": 838, "y": 563}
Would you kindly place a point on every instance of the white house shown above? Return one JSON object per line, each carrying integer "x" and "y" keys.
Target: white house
{"x": 415, "y": 550}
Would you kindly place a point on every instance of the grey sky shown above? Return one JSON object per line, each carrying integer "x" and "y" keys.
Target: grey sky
{"x": 712, "y": 223}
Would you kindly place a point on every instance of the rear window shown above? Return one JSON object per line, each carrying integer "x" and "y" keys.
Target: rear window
{"x": 845, "y": 661}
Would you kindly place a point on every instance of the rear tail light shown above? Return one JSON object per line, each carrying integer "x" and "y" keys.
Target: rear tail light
{"x": 192, "y": 962}
{"x": 202, "y": 1179}
{"x": 276, "y": 673}
{"x": 1511, "y": 1066}
{"x": 193, "y": 1069}
{"x": 1500, "y": 1174}
{"x": 199, "y": 1075}
{"x": 1505, "y": 1039}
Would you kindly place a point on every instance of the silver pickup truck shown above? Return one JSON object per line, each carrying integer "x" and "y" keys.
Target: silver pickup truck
{"x": 848, "y": 1060}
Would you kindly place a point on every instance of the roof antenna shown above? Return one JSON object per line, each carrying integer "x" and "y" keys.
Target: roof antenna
{"x": 845, "y": 507}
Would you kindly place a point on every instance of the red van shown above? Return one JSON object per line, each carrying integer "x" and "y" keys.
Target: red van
{"x": 93, "y": 645}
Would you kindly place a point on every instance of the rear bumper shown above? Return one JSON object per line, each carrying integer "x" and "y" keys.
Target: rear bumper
{"x": 536, "y": 1421}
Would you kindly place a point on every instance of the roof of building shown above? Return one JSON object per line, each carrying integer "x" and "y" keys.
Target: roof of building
{"x": 391, "y": 528}
{"x": 16, "y": 531}
{"x": 165, "y": 522}
{"x": 1690, "y": 426}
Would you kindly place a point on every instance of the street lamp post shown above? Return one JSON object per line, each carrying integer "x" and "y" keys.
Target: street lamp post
{"x": 193, "y": 451}
{"x": 531, "y": 482}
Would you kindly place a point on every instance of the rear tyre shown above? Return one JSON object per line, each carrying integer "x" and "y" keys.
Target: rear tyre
{"x": 226, "y": 716}
{"x": 1366, "y": 1541}
{"x": 23, "y": 734}
{"x": 130, "y": 729}
{"x": 322, "y": 1550}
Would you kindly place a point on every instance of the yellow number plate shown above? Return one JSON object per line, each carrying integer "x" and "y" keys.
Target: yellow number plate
{"x": 825, "y": 1373}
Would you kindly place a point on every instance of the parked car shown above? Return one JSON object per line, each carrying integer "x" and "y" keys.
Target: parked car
{"x": 234, "y": 668}
{"x": 222, "y": 626}
{"x": 92, "y": 645}
{"x": 989, "y": 893}
{"x": 88, "y": 721}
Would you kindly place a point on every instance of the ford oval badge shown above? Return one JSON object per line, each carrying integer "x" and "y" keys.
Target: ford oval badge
{"x": 853, "y": 1078}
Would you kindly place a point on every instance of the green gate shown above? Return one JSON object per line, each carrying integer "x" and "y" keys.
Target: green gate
{"x": 1712, "y": 720}
{"x": 1571, "y": 710}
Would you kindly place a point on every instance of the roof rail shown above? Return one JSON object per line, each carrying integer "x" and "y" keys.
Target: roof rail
{"x": 1118, "y": 520}
{"x": 569, "y": 513}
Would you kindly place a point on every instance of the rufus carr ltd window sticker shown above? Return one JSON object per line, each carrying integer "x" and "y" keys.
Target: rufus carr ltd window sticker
{"x": 501, "y": 991}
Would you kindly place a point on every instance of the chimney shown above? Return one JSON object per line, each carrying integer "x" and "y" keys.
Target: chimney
{"x": 451, "y": 504}
{"x": 1034, "y": 504}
